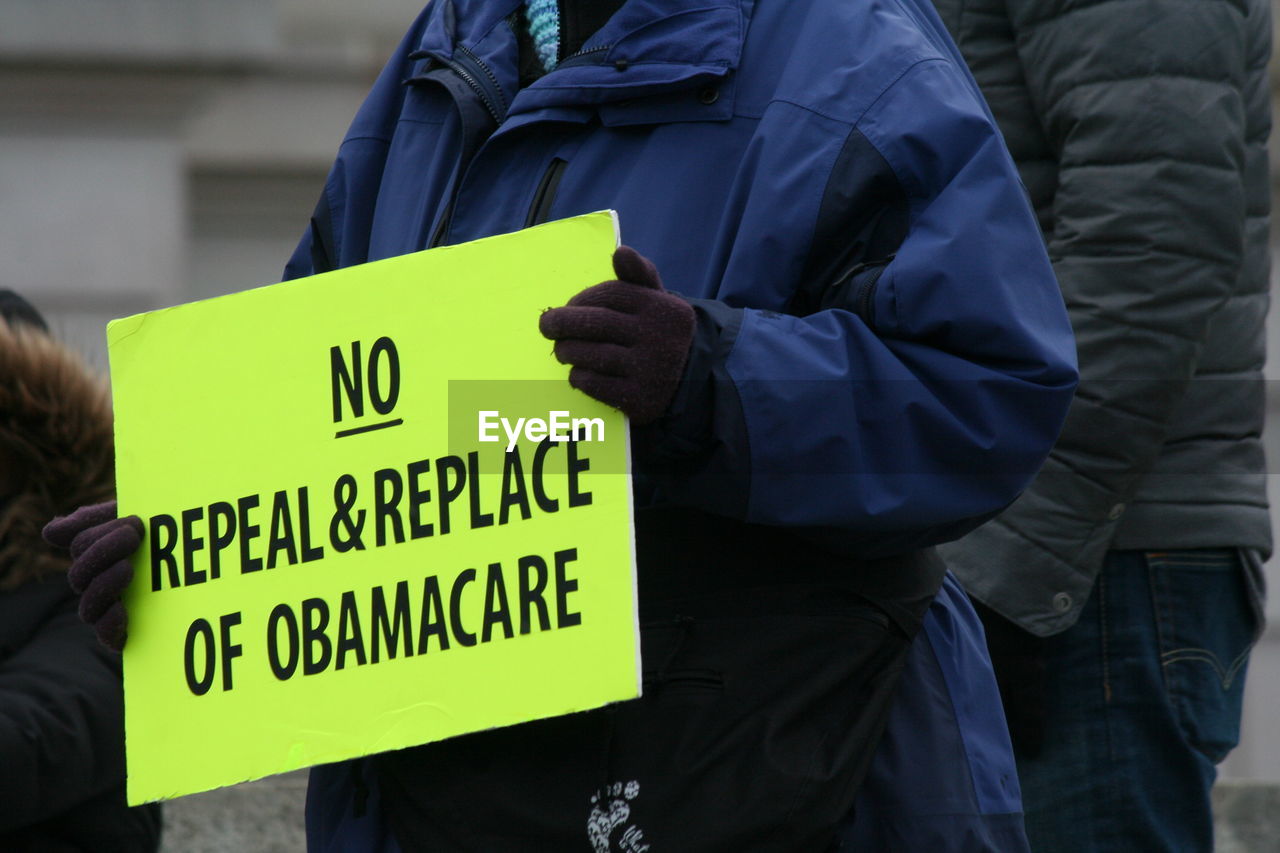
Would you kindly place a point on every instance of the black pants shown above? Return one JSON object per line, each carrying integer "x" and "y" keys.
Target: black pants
{"x": 768, "y": 672}
{"x": 759, "y": 716}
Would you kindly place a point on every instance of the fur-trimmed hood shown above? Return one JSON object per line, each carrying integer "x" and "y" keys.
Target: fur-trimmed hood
{"x": 56, "y": 449}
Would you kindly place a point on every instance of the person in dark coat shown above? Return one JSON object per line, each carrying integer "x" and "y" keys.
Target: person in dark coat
{"x": 61, "y": 709}
{"x": 1123, "y": 589}
{"x": 838, "y": 340}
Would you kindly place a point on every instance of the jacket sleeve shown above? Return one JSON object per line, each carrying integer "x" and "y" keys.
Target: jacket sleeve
{"x": 924, "y": 393}
{"x": 1141, "y": 102}
{"x": 61, "y": 721}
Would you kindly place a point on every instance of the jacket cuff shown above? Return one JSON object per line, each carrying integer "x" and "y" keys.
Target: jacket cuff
{"x": 687, "y": 428}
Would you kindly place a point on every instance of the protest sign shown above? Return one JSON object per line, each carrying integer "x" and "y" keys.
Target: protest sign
{"x": 345, "y": 553}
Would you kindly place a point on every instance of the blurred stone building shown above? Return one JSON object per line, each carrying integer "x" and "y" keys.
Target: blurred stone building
{"x": 158, "y": 151}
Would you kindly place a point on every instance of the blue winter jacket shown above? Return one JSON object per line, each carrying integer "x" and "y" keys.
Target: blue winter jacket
{"x": 888, "y": 356}
{"x": 869, "y": 281}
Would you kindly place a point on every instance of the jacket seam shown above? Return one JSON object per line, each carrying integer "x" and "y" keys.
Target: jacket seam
{"x": 749, "y": 486}
{"x": 711, "y": 7}
{"x": 1103, "y": 164}
{"x": 854, "y": 122}
{"x": 382, "y": 139}
{"x": 1084, "y": 393}
{"x": 1138, "y": 78}
{"x": 1049, "y": 19}
{"x": 1058, "y": 456}
{"x": 1054, "y": 555}
{"x": 1079, "y": 250}
{"x": 1143, "y": 501}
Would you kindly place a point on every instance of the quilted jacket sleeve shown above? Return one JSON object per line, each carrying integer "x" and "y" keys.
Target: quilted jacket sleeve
{"x": 1141, "y": 103}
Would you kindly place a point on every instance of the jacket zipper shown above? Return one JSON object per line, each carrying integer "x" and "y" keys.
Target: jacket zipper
{"x": 480, "y": 78}
{"x": 474, "y": 73}
{"x": 545, "y": 196}
{"x": 581, "y": 56}
{"x": 865, "y": 292}
{"x": 484, "y": 83}
{"x": 867, "y": 289}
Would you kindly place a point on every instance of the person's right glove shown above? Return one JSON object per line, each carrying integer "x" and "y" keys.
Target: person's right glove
{"x": 101, "y": 545}
{"x": 627, "y": 339}
{"x": 1018, "y": 658}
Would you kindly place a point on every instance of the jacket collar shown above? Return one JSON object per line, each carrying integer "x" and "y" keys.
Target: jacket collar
{"x": 648, "y": 48}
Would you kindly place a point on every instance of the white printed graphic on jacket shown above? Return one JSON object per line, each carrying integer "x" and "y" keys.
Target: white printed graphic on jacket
{"x": 610, "y": 809}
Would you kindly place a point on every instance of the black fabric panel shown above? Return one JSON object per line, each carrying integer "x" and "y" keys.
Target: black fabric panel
{"x": 323, "y": 256}
{"x": 579, "y": 19}
{"x": 862, "y": 220}
{"x": 681, "y": 457}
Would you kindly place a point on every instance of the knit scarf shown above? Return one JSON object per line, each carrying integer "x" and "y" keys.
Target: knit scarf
{"x": 544, "y": 26}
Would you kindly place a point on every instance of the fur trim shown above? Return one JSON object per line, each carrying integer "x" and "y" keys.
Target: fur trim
{"x": 56, "y": 449}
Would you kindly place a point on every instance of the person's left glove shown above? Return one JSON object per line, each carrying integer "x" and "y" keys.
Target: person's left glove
{"x": 101, "y": 545}
{"x": 628, "y": 340}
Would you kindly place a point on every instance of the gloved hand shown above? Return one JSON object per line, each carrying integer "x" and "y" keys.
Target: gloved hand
{"x": 1018, "y": 658}
{"x": 628, "y": 340}
{"x": 100, "y": 545}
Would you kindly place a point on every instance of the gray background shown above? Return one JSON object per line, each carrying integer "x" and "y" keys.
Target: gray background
{"x": 158, "y": 151}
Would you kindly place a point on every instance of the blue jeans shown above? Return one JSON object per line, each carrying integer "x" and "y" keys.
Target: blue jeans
{"x": 1143, "y": 700}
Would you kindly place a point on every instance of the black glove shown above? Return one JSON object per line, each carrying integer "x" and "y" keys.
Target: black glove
{"x": 628, "y": 340}
{"x": 1018, "y": 658}
{"x": 101, "y": 545}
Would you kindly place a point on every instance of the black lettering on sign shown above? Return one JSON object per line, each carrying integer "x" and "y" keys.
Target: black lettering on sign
{"x": 432, "y": 625}
{"x": 478, "y": 519}
{"x": 461, "y": 634}
{"x": 230, "y": 650}
{"x": 281, "y": 531}
{"x": 448, "y": 492}
{"x": 388, "y": 488}
{"x": 344, "y": 501}
{"x": 513, "y": 488}
{"x": 417, "y": 497}
{"x": 350, "y": 637}
{"x": 384, "y": 347}
{"x": 285, "y": 669}
{"x": 388, "y": 628}
{"x": 531, "y": 592}
{"x": 309, "y": 552}
{"x": 496, "y": 611}
{"x": 350, "y": 380}
{"x": 248, "y": 532}
{"x": 316, "y": 647}
{"x": 545, "y": 502}
{"x": 203, "y": 631}
{"x": 577, "y": 497}
{"x": 190, "y": 544}
{"x": 564, "y": 586}
{"x": 162, "y": 551}
{"x": 200, "y": 673}
{"x": 222, "y": 532}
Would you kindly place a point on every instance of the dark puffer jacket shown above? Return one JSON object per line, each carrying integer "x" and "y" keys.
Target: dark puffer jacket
{"x": 1139, "y": 128}
{"x": 61, "y": 709}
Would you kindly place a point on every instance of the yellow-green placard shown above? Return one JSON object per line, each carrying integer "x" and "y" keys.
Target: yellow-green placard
{"x": 335, "y": 563}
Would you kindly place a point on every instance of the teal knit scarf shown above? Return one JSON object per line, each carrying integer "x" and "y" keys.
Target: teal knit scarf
{"x": 544, "y": 26}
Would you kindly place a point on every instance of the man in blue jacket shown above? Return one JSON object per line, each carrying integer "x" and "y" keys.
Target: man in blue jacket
{"x": 862, "y": 352}
{"x": 866, "y": 323}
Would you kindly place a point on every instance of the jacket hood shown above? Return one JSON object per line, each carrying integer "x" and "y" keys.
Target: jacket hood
{"x": 56, "y": 449}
